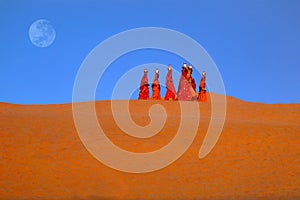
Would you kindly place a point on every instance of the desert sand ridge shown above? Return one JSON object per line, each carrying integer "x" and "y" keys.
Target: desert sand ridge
{"x": 257, "y": 155}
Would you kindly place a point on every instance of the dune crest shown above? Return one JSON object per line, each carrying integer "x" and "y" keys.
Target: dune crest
{"x": 257, "y": 155}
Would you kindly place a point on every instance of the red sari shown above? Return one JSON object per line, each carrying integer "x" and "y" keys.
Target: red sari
{"x": 156, "y": 88}
{"x": 171, "y": 92}
{"x": 185, "y": 88}
{"x": 202, "y": 91}
{"x": 144, "y": 87}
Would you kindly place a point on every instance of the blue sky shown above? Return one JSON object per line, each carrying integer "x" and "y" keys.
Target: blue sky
{"x": 255, "y": 45}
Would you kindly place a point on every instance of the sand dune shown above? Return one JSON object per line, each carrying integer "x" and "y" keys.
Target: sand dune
{"x": 257, "y": 155}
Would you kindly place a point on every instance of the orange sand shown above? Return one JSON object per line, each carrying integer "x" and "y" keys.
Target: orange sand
{"x": 257, "y": 155}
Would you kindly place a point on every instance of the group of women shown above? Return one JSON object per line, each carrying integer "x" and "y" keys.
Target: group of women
{"x": 186, "y": 88}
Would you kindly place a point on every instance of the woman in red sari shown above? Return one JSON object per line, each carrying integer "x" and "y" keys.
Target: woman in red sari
{"x": 156, "y": 86}
{"x": 192, "y": 81}
{"x": 202, "y": 89}
{"x": 144, "y": 87}
{"x": 185, "y": 87}
{"x": 171, "y": 92}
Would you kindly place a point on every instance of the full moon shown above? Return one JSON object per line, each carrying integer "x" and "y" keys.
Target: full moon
{"x": 42, "y": 33}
